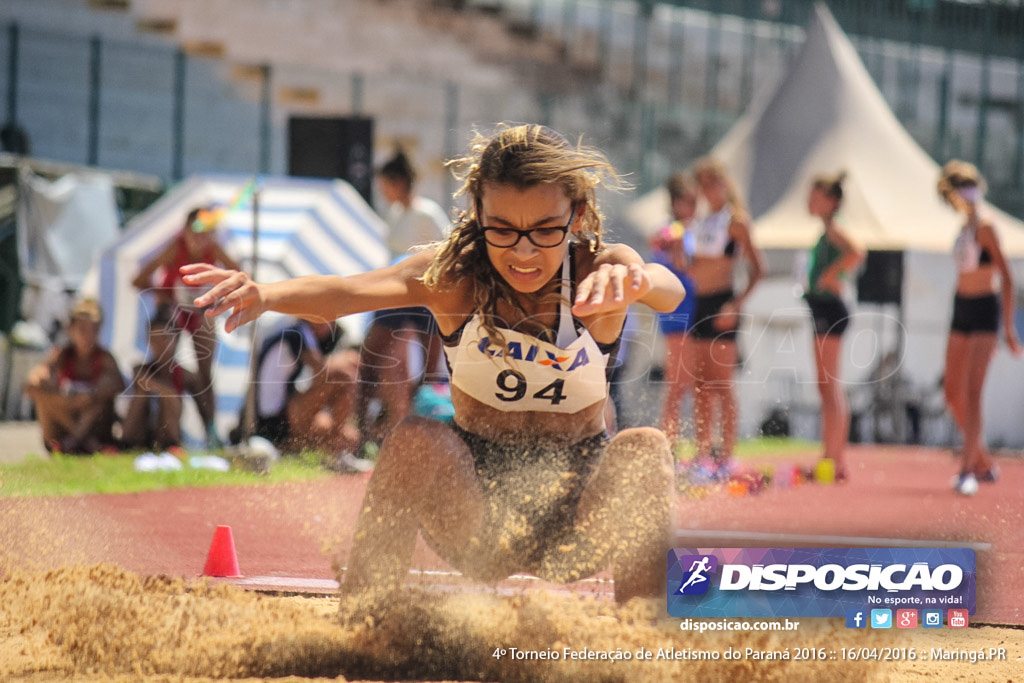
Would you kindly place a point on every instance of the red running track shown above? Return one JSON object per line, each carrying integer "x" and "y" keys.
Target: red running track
{"x": 895, "y": 496}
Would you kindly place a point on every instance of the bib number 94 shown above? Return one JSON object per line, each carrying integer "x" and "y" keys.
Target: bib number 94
{"x": 513, "y": 388}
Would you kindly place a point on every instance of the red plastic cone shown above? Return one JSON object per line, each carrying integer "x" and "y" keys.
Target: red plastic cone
{"x": 221, "y": 560}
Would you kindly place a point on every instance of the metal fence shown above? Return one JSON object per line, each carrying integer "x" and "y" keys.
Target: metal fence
{"x": 660, "y": 83}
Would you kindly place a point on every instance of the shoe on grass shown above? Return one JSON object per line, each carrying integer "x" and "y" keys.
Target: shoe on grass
{"x": 348, "y": 463}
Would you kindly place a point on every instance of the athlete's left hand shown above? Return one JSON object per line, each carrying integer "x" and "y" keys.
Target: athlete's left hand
{"x": 611, "y": 287}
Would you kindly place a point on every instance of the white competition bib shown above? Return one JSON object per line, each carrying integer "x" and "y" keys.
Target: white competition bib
{"x": 711, "y": 233}
{"x": 528, "y": 374}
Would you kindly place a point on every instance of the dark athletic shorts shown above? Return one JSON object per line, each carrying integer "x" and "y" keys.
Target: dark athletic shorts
{"x": 706, "y": 309}
{"x": 415, "y": 317}
{"x": 978, "y": 314}
{"x": 531, "y": 491}
{"x": 829, "y": 315}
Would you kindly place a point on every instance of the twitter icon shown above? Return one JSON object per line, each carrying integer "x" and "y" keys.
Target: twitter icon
{"x": 881, "y": 618}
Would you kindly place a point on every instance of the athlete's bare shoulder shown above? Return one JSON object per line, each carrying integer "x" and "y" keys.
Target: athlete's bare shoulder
{"x": 449, "y": 295}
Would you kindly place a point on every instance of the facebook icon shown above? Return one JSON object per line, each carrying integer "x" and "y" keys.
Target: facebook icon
{"x": 855, "y": 618}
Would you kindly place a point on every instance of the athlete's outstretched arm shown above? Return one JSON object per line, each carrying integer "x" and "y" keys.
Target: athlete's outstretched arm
{"x": 314, "y": 297}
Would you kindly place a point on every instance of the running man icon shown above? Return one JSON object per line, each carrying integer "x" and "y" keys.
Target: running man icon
{"x": 698, "y": 575}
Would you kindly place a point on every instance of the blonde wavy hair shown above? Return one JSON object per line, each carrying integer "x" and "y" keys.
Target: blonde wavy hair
{"x": 955, "y": 175}
{"x": 522, "y": 156}
{"x": 710, "y": 166}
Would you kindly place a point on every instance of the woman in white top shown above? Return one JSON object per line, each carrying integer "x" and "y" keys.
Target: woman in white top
{"x": 531, "y": 303}
{"x": 413, "y": 220}
{"x": 384, "y": 368}
{"x": 722, "y": 238}
{"x": 977, "y": 308}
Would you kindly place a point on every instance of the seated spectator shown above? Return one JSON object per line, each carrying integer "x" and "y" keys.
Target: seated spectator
{"x": 156, "y": 395}
{"x": 75, "y": 387}
{"x": 316, "y": 418}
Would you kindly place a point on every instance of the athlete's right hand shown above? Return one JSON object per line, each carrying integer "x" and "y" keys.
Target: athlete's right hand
{"x": 229, "y": 290}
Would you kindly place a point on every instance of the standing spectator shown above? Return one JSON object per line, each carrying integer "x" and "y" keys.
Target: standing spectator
{"x": 831, "y": 259}
{"x": 196, "y": 242}
{"x": 152, "y": 419}
{"x": 673, "y": 247}
{"x": 722, "y": 238}
{"x": 75, "y": 387}
{"x": 315, "y": 418}
{"x": 385, "y": 372}
{"x": 977, "y": 309}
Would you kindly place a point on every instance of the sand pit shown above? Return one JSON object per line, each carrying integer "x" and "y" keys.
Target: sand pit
{"x": 81, "y": 596}
{"x": 101, "y": 622}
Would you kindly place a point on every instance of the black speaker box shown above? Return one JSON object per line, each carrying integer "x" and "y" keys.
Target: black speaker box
{"x": 881, "y": 279}
{"x": 333, "y": 147}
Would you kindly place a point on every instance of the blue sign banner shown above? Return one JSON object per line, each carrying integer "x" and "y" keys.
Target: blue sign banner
{"x": 817, "y": 582}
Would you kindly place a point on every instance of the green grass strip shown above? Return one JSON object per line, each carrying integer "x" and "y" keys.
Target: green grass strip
{"x": 63, "y": 475}
{"x": 764, "y": 448}
{"x": 776, "y": 447}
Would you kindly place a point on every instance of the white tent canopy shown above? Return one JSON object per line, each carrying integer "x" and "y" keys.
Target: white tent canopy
{"x": 305, "y": 227}
{"x": 63, "y": 226}
{"x": 826, "y": 115}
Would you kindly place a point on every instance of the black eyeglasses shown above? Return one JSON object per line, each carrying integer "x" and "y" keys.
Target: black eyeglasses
{"x": 545, "y": 238}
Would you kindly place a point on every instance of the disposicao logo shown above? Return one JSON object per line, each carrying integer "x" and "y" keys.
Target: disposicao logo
{"x": 822, "y": 582}
{"x": 697, "y": 579}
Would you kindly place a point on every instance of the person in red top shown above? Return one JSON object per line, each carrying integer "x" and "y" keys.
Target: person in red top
{"x": 74, "y": 388}
{"x": 195, "y": 243}
{"x": 156, "y": 395}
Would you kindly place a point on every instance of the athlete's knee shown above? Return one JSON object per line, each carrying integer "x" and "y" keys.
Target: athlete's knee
{"x": 415, "y": 426}
{"x": 641, "y": 449}
{"x": 647, "y": 439}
